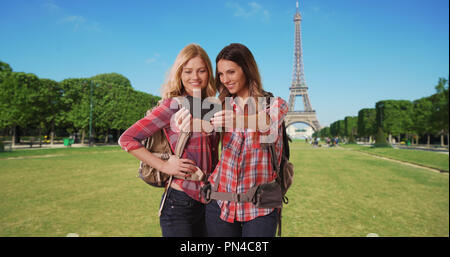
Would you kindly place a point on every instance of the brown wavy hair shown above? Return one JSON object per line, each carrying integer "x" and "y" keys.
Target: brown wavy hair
{"x": 242, "y": 56}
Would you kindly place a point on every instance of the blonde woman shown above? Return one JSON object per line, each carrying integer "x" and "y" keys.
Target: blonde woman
{"x": 183, "y": 214}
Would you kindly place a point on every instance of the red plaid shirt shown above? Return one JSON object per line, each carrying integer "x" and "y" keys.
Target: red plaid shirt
{"x": 244, "y": 164}
{"x": 201, "y": 147}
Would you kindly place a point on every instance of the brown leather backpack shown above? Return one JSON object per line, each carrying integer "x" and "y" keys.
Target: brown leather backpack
{"x": 159, "y": 146}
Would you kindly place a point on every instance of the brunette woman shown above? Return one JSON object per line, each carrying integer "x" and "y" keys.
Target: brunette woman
{"x": 244, "y": 162}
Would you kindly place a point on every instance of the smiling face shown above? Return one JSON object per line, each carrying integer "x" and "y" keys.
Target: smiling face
{"x": 233, "y": 78}
{"x": 194, "y": 75}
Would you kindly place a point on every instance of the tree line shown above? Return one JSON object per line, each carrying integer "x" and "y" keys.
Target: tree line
{"x": 398, "y": 120}
{"x": 30, "y": 105}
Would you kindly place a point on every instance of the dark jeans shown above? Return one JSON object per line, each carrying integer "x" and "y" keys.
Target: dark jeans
{"x": 182, "y": 216}
{"x": 263, "y": 226}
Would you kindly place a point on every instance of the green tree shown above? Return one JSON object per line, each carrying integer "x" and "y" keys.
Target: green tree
{"x": 117, "y": 104}
{"x": 113, "y": 103}
{"x": 324, "y": 132}
{"x": 337, "y": 128}
{"x": 351, "y": 128}
{"x": 112, "y": 78}
{"x": 18, "y": 97}
{"x": 47, "y": 106}
{"x": 440, "y": 108}
{"x": 76, "y": 105}
{"x": 395, "y": 117}
{"x": 5, "y": 71}
{"x": 29, "y": 102}
{"x": 367, "y": 126}
{"x": 423, "y": 123}
{"x": 341, "y": 128}
{"x": 4, "y": 67}
{"x": 380, "y": 139}
{"x": 115, "y": 107}
{"x": 333, "y": 129}
{"x": 143, "y": 102}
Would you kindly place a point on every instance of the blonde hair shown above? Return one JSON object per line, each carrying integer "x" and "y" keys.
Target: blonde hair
{"x": 173, "y": 86}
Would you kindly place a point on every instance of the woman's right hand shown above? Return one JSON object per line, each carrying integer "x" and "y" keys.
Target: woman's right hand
{"x": 178, "y": 167}
{"x": 182, "y": 121}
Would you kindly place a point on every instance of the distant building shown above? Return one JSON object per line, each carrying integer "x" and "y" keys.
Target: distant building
{"x": 299, "y": 133}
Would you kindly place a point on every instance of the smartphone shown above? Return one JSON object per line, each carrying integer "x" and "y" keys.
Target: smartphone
{"x": 201, "y": 109}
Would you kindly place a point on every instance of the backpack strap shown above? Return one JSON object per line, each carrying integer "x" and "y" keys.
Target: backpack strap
{"x": 212, "y": 193}
{"x": 271, "y": 146}
{"x": 249, "y": 195}
{"x": 181, "y": 144}
{"x": 274, "y": 158}
{"x": 183, "y": 138}
{"x": 279, "y": 222}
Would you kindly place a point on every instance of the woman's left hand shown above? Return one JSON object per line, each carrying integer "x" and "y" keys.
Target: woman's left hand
{"x": 224, "y": 119}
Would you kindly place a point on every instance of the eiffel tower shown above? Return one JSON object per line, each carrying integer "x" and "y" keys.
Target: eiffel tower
{"x": 298, "y": 87}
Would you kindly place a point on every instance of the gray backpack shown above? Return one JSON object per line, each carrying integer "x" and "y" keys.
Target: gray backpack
{"x": 267, "y": 195}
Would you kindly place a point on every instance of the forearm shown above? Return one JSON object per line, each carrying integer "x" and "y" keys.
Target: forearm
{"x": 147, "y": 157}
{"x": 263, "y": 121}
{"x": 270, "y": 118}
{"x": 174, "y": 166}
{"x": 230, "y": 120}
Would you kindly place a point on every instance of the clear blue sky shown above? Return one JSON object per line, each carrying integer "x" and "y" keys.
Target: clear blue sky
{"x": 356, "y": 52}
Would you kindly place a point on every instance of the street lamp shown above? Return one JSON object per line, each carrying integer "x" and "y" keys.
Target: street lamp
{"x": 91, "y": 139}
{"x": 381, "y": 110}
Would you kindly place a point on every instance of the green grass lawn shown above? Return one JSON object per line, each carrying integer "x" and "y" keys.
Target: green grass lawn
{"x": 336, "y": 192}
{"x": 420, "y": 157}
